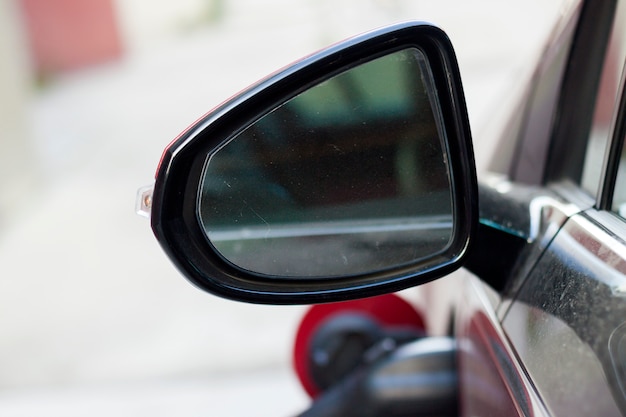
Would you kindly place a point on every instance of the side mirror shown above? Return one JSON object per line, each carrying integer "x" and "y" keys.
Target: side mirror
{"x": 348, "y": 174}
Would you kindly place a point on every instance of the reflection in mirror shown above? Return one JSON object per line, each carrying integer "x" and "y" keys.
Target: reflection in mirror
{"x": 348, "y": 177}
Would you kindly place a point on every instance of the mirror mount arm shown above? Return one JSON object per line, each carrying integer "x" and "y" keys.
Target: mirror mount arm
{"x": 494, "y": 254}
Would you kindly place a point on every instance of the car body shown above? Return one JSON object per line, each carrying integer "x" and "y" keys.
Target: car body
{"x": 539, "y": 312}
{"x": 545, "y": 341}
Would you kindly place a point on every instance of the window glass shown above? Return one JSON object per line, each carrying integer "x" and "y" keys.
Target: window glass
{"x": 528, "y": 163}
{"x": 606, "y": 103}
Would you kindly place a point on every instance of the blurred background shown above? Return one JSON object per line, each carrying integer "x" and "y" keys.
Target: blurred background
{"x": 93, "y": 317}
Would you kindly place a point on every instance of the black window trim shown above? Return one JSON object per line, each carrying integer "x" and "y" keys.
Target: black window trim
{"x": 613, "y": 154}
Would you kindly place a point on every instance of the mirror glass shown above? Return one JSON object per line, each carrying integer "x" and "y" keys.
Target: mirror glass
{"x": 348, "y": 177}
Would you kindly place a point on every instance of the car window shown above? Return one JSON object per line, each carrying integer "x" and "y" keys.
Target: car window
{"x": 606, "y": 103}
{"x": 536, "y": 126}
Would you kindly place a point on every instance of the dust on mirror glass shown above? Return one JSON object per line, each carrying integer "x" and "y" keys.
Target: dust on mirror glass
{"x": 348, "y": 177}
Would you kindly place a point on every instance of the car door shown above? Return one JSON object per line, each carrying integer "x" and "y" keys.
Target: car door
{"x": 567, "y": 322}
{"x": 540, "y": 325}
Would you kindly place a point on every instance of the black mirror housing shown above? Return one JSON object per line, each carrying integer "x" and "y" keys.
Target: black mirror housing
{"x": 180, "y": 190}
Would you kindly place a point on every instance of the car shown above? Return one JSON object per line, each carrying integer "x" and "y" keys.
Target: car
{"x": 350, "y": 175}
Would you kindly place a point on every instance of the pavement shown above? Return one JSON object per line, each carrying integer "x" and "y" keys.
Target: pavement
{"x": 93, "y": 317}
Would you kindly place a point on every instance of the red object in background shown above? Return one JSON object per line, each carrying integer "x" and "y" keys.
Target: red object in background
{"x": 386, "y": 310}
{"x": 66, "y": 35}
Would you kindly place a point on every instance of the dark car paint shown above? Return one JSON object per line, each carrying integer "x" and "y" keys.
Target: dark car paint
{"x": 492, "y": 383}
{"x": 550, "y": 339}
{"x": 518, "y": 223}
{"x": 565, "y": 316}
